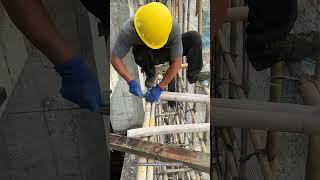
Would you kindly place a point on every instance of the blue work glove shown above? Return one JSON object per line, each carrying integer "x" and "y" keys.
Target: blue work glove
{"x": 135, "y": 88}
{"x": 79, "y": 85}
{"x": 154, "y": 93}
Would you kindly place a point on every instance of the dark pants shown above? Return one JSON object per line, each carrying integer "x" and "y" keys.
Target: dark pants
{"x": 147, "y": 58}
{"x": 268, "y": 21}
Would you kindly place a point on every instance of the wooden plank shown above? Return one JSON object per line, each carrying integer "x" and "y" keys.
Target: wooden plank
{"x": 195, "y": 160}
{"x": 168, "y": 129}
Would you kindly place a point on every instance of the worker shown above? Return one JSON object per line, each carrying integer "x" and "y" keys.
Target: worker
{"x": 276, "y": 43}
{"x": 155, "y": 38}
{"x": 78, "y": 84}
{"x": 269, "y": 39}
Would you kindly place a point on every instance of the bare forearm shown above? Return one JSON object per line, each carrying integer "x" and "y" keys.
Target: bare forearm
{"x": 171, "y": 73}
{"x": 32, "y": 19}
{"x": 120, "y": 67}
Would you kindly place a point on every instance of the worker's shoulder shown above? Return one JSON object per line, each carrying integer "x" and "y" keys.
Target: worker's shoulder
{"x": 175, "y": 28}
{"x": 128, "y": 27}
{"x": 175, "y": 32}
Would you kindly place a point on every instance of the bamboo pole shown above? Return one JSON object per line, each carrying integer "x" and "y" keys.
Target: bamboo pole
{"x": 207, "y": 115}
{"x": 168, "y": 129}
{"x": 311, "y": 96}
{"x": 195, "y": 136}
{"x": 142, "y": 170}
{"x": 237, "y": 14}
{"x": 185, "y": 97}
{"x": 235, "y": 47}
{"x": 200, "y": 9}
{"x": 140, "y": 2}
{"x": 184, "y": 10}
{"x": 200, "y": 14}
{"x": 229, "y": 154}
{"x": 188, "y": 15}
{"x": 272, "y": 145}
{"x": 151, "y": 124}
{"x": 165, "y": 176}
{"x": 261, "y": 157}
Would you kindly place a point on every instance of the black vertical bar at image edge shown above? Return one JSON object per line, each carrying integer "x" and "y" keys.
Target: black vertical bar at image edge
{"x": 3, "y": 95}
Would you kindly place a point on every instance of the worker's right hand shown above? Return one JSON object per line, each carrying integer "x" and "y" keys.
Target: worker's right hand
{"x": 79, "y": 85}
{"x": 135, "y": 88}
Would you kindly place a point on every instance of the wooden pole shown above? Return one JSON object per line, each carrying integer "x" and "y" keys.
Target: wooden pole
{"x": 236, "y": 79}
{"x": 306, "y": 122}
{"x": 235, "y": 50}
{"x": 200, "y": 14}
{"x": 188, "y": 15}
{"x": 168, "y": 129}
{"x": 237, "y": 14}
{"x": 262, "y": 158}
{"x": 140, "y": 2}
{"x": 229, "y": 153}
{"x": 272, "y": 145}
{"x": 184, "y": 10}
{"x": 196, "y": 160}
{"x": 151, "y": 139}
{"x": 185, "y": 97}
{"x": 311, "y": 96}
{"x": 200, "y": 9}
{"x": 142, "y": 170}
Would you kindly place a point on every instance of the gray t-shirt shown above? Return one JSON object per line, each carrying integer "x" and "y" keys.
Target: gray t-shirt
{"x": 128, "y": 37}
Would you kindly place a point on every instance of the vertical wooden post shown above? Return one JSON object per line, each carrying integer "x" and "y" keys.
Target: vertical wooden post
{"x": 142, "y": 170}
{"x": 140, "y": 2}
{"x": 200, "y": 5}
{"x": 262, "y": 158}
{"x": 272, "y": 145}
{"x": 151, "y": 124}
{"x": 311, "y": 96}
{"x": 200, "y": 8}
{"x": 188, "y": 15}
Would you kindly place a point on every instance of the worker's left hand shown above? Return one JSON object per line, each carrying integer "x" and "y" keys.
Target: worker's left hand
{"x": 154, "y": 93}
{"x": 79, "y": 85}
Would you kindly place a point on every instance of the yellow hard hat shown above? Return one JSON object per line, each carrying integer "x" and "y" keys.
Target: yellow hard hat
{"x": 153, "y": 23}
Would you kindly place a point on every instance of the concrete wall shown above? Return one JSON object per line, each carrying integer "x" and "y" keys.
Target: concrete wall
{"x": 43, "y": 136}
{"x": 126, "y": 109}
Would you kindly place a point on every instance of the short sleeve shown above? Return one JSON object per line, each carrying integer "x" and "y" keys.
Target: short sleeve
{"x": 124, "y": 40}
{"x": 176, "y": 49}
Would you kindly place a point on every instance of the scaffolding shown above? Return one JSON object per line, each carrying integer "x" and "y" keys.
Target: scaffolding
{"x": 171, "y": 130}
{"x": 167, "y": 134}
{"x": 262, "y": 115}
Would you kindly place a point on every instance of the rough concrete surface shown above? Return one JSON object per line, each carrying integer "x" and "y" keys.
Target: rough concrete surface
{"x": 42, "y": 135}
{"x": 126, "y": 109}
